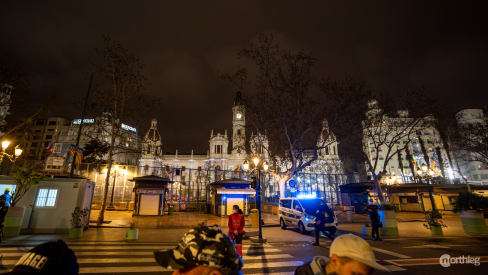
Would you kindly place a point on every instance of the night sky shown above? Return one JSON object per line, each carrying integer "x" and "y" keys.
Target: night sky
{"x": 392, "y": 46}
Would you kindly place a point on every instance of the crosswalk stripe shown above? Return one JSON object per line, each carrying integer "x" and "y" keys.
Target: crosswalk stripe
{"x": 127, "y": 258}
{"x": 391, "y": 253}
{"x": 108, "y": 260}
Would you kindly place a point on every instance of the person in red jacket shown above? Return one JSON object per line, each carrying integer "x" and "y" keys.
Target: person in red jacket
{"x": 236, "y": 227}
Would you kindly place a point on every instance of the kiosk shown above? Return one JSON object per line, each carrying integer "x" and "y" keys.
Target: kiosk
{"x": 229, "y": 192}
{"x": 150, "y": 194}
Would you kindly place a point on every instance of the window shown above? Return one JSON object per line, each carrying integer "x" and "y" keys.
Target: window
{"x": 50, "y": 130}
{"x": 40, "y": 122}
{"x": 285, "y": 203}
{"x": 408, "y": 199}
{"x": 218, "y": 149}
{"x": 57, "y": 148}
{"x": 297, "y": 206}
{"x": 34, "y": 144}
{"x": 52, "y": 122}
{"x": 327, "y": 150}
{"x": 49, "y": 137}
{"x": 239, "y": 132}
{"x": 334, "y": 150}
{"x": 46, "y": 197}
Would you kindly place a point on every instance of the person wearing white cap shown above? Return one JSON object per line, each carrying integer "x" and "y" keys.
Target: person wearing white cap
{"x": 349, "y": 254}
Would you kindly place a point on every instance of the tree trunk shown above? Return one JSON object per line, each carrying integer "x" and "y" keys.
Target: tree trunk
{"x": 101, "y": 216}
{"x": 377, "y": 187}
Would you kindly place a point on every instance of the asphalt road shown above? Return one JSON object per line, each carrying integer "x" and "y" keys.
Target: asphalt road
{"x": 405, "y": 255}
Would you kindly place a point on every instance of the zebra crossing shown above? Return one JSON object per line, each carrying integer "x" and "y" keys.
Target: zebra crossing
{"x": 137, "y": 258}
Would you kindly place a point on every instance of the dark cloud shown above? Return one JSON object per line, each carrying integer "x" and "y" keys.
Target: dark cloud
{"x": 392, "y": 45}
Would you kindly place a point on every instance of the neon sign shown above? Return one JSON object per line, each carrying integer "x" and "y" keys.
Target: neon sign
{"x": 128, "y": 128}
{"x": 85, "y": 121}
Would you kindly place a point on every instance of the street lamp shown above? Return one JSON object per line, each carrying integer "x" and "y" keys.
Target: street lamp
{"x": 257, "y": 167}
{"x": 111, "y": 206}
{"x": 3, "y": 153}
{"x": 426, "y": 173}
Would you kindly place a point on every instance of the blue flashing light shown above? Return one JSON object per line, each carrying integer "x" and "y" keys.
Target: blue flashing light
{"x": 224, "y": 197}
{"x": 307, "y": 196}
{"x": 292, "y": 183}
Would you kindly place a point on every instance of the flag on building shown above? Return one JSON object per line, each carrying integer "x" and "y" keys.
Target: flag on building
{"x": 77, "y": 152}
{"x": 50, "y": 147}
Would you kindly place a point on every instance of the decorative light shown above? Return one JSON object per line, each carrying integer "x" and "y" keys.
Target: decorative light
{"x": 18, "y": 151}
{"x": 256, "y": 161}
{"x": 245, "y": 166}
{"x": 424, "y": 167}
{"x": 265, "y": 166}
{"x": 5, "y": 144}
{"x": 431, "y": 173}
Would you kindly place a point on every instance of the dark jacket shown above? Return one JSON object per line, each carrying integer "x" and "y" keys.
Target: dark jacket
{"x": 374, "y": 217}
{"x": 324, "y": 215}
{"x": 314, "y": 267}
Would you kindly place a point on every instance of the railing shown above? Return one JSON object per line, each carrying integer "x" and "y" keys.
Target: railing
{"x": 190, "y": 187}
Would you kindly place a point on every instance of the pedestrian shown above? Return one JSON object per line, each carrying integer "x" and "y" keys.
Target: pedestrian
{"x": 202, "y": 250}
{"x": 236, "y": 227}
{"x": 3, "y": 213}
{"x": 348, "y": 254}
{"x": 48, "y": 258}
{"x": 374, "y": 217}
{"x": 7, "y": 196}
{"x": 323, "y": 216}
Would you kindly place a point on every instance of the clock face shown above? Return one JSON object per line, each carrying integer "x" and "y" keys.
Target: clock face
{"x": 238, "y": 115}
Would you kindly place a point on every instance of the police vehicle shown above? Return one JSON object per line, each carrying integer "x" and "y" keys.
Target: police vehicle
{"x": 300, "y": 213}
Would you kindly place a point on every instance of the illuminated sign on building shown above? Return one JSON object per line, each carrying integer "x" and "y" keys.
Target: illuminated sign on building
{"x": 85, "y": 121}
{"x": 128, "y": 128}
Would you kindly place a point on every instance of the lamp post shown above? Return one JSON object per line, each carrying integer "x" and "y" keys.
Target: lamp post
{"x": 257, "y": 166}
{"x": 11, "y": 157}
{"x": 424, "y": 172}
{"x": 111, "y": 205}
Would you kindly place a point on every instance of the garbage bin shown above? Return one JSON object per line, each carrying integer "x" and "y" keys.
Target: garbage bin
{"x": 254, "y": 217}
{"x": 171, "y": 209}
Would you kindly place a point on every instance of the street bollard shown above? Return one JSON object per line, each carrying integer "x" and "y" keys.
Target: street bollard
{"x": 349, "y": 214}
{"x": 254, "y": 217}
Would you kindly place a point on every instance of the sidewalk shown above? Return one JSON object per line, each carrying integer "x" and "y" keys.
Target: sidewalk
{"x": 410, "y": 224}
{"x": 183, "y": 220}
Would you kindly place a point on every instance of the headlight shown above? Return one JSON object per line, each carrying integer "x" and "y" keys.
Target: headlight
{"x": 308, "y": 218}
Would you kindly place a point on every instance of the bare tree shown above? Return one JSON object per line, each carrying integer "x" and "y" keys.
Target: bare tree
{"x": 286, "y": 108}
{"x": 116, "y": 99}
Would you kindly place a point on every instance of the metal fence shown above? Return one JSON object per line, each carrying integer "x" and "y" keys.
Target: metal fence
{"x": 190, "y": 187}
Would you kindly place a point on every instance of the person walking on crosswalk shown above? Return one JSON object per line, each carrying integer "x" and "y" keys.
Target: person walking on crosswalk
{"x": 348, "y": 254}
{"x": 204, "y": 250}
{"x": 236, "y": 227}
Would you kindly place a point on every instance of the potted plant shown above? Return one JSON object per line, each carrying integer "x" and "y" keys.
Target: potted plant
{"x": 79, "y": 220}
{"x": 387, "y": 214}
{"x": 132, "y": 231}
{"x": 471, "y": 207}
{"x": 25, "y": 177}
{"x": 434, "y": 222}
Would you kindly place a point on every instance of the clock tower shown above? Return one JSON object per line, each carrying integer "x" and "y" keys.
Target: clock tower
{"x": 238, "y": 126}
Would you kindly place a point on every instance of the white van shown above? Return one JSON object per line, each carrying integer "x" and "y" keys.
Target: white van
{"x": 299, "y": 213}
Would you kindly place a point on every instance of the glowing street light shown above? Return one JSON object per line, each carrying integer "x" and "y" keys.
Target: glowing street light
{"x": 257, "y": 167}
{"x": 17, "y": 151}
{"x": 5, "y": 144}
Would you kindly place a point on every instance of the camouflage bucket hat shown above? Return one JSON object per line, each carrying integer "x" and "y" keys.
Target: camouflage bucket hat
{"x": 203, "y": 245}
